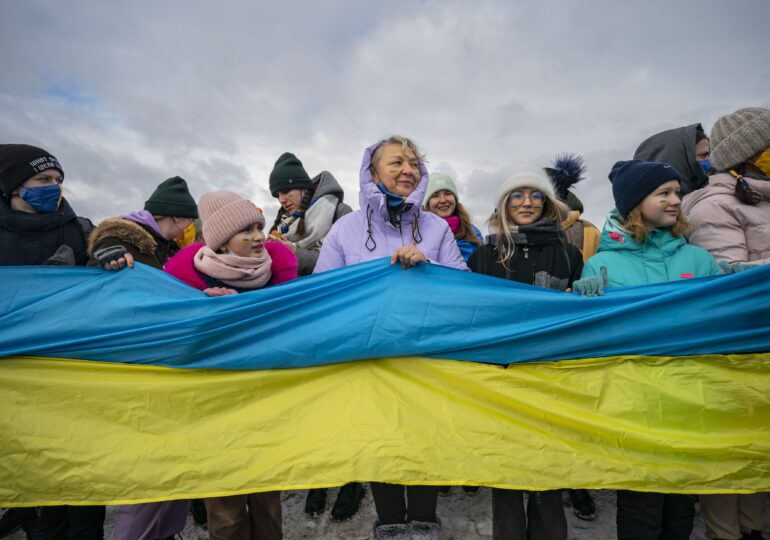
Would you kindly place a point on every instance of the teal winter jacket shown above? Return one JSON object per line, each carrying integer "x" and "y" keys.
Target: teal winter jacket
{"x": 662, "y": 257}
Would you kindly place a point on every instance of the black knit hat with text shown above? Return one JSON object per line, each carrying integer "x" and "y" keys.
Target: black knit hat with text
{"x": 172, "y": 199}
{"x": 287, "y": 174}
{"x": 20, "y": 162}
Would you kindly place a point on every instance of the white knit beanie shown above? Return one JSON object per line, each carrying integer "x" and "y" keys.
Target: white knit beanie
{"x": 224, "y": 214}
{"x": 738, "y": 136}
{"x": 531, "y": 176}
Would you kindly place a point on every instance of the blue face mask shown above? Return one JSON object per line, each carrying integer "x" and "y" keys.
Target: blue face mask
{"x": 44, "y": 199}
{"x": 705, "y": 165}
{"x": 394, "y": 201}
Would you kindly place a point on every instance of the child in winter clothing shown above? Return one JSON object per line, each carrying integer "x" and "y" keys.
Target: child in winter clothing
{"x": 236, "y": 258}
{"x": 643, "y": 242}
{"x": 441, "y": 199}
{"x": 309, "y": 207}
{"x": 149, "y": 236}
{"x": 232, "y": 260}
{"x": 731, "y": 219}
{"x": 528, "y": 247}
{"x": 643, "y": 238}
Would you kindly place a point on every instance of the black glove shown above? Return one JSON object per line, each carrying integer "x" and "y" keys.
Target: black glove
{"x": 107, "y": 255}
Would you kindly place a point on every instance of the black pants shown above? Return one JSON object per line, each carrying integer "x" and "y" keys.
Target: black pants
{"x": 73, "y": 522}
{"x": 654, "y": 516}
{"x": 400, "y": 504}
{"x": 544, "y": 518}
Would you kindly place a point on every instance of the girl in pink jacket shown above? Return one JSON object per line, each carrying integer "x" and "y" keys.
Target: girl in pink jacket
{"x": 235, "y": 258}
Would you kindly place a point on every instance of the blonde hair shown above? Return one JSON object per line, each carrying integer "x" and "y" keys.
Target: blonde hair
{"x": 504, "y": 227}
{"x": 634, "y": 224}
{"x": 406, "y": 144}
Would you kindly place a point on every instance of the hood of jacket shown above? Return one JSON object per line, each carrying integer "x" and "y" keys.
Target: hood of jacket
{"x": 326, "y": 184}
{"x": 370, "y": 195}
{"x": 126, "y": 231}
{"x": 676, "y": 147}
{"x": 724, "y": 184}
{"x": 615, "y": 238}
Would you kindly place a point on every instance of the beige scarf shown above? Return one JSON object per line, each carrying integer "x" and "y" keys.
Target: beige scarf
{"x": 241, "y": 272}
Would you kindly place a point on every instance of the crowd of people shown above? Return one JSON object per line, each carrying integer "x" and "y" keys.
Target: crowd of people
{"x": 686, "y": 206}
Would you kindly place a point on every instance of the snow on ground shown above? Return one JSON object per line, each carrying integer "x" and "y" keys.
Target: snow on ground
{"x": 463, "y": 517}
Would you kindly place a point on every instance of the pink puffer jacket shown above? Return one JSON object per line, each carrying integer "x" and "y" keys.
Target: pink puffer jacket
{"x": 729, "y": 229}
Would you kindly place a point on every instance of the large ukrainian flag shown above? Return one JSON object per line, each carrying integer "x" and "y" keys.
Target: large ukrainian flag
{"x": 132, "y": 387}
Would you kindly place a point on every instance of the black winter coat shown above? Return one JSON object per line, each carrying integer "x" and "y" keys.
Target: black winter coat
{"x": 32, "y": 239}
{"x": 553, "y": 265}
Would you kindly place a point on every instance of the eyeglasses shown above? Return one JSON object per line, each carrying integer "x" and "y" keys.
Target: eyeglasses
{"x": 516, "y": 198}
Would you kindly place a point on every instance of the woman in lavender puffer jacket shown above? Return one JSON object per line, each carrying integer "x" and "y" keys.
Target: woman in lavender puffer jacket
{"x": 390, "y": 223}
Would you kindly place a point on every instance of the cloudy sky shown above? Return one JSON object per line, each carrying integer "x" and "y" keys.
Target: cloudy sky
{"x": 128, "y": 94}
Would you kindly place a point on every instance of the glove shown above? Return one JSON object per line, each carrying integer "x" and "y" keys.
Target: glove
{"x": 728, "y": 268}
{"x": 64, "y": 256}
{"x": 742, "y": 267}
{"x": 592, "y": 285}
{"x": 107, "y": 255}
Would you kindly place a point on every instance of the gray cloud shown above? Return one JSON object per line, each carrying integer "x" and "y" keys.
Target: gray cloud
{"x": 127, "y": 95}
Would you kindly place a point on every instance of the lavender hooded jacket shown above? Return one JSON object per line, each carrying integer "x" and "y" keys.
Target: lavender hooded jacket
{"x": 367, "y": 233}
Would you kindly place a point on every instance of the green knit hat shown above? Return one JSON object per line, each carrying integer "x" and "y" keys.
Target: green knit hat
{"x": 287, "y": 174}
{"x": 440, "y": 182}
{"x": 172, "y": 198}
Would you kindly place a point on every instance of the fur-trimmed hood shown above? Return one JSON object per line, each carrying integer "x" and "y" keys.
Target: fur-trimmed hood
{"x": 124, "y": 230}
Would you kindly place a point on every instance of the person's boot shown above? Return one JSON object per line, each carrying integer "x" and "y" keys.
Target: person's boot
{"x": 199, "y": 513}
{"x": 348, "y": 501}
{"x": 582, "y": 504}
{"x": 426, "y": 530}
{"x": 395, "y": 531}
{"x": 32, "y": 525}
{"x": 315, "y": 503}
{"x": 11, "y": 520}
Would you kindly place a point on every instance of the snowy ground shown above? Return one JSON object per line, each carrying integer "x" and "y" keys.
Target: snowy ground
{"x": 463, "y": 517}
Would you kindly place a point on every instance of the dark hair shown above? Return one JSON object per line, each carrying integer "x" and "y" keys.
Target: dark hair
{"x": 700, "y": 134}
{"x": 303, "y": 205}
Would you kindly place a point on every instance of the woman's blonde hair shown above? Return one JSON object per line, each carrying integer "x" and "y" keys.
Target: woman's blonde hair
{"x": 501, "y": 224}
{"x": 634, "y": 224}
{"x": 405, "y": 142}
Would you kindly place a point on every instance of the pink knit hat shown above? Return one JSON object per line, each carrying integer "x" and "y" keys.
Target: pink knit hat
{"x": 224, "y": 214}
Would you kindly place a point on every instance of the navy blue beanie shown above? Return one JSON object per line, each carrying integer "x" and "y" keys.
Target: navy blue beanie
{"x": 633, "y": 180}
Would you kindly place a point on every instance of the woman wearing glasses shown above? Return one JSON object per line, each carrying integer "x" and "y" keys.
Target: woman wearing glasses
{"x": 526, "y": 244}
